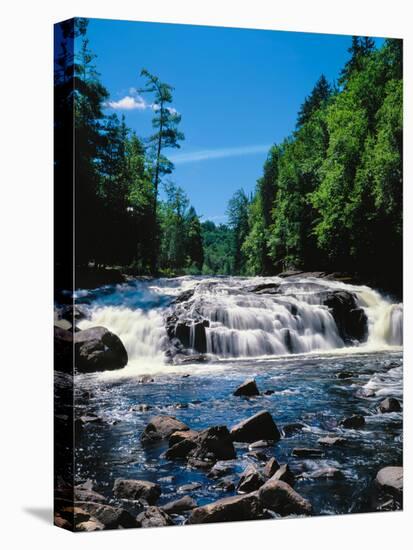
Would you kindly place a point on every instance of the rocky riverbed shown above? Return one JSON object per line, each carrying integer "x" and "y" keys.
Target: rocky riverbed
{"x": 225, "y": 438}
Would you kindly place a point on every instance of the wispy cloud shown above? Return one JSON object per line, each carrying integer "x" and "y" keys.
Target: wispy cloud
{"x": 209, "y": 154}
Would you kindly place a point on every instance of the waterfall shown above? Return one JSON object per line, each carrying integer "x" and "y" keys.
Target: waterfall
{"x": 284, "y": 317}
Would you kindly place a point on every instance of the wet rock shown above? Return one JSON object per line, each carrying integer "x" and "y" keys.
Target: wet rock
{"x": 269, "y": 392}
{"x": 161, "y": 427}
{"x": 198, "y": 464}
{"x": 353, "y": 422}
{"x": 259, "y": 426}
{"x": 109, "y": 516}
{"x": 238, "y": 508}
{"x": 98, "y": 349}
{"x": 181, "y": 449}
{"x": 180, "y": 505}
{"x": 189, "y": 359}
{"x": 390, "y": 480}
{"x": 226, "y": 484}
{"x": 146, "y": 379}
{"x": 390, "y": 404}
{"x": 178, "y": 436}
{"x": 251, "y": 480}
{"x": 184, "y": 296}
{"x": 248, "y": 388}
{"x": 282, "y": 499}
{"x": 220, "y": 469}
{"x": 188, "y": 487}
{"x": 266, "y": 288}
{"x": 261, "y": 444}
{"x": 134, "y": 489}
{"x": 331, "y": 441}
{"x": 292, "y": 428}
{"x": 271, "y": 467}
{"x": 143, "y": 407}
{"x": 154, "y": 517}
{"x": 327, "y": 473}
{"x": 213, "y": 444}
{"x": 306, "y": 452}
{"x": 350, "y": 319}
{"x": 284, "y": 473}
{"x": 259, "y": 456}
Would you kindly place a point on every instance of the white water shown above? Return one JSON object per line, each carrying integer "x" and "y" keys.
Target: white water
{"x": 242, "y": 323}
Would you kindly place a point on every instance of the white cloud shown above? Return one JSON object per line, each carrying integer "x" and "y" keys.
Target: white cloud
{"x": 208, "y": 154}
{"x": 128, "y": 103}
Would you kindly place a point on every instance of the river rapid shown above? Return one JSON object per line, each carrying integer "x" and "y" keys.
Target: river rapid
{"x": 287, "y": 340}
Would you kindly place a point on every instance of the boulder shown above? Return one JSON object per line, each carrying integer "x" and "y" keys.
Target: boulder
{"x": 251, "y": 480}
{"x": 178, "y": 436}
{"x": 390, "y": 480}
{"x": 248, "y": 388}
{"x": 238, "y": 508}
{"x": 181, "y": 449}
{"x": 284, "y": 473}
{"x": 271, "y": 467}
{"x": 135, "y": 489}
{"x": 350, "y": 319}
{"x": 180, "y": 505}
{"x": 154, "y": 517}
{"x": 161, "y": 427}
{"x": 353, "y": 422}
{"x": 331, "y": 441}
{"x": 109, "y": 516}
{"x": 220, "y": 469}
{"x": 327, "y": 473}
{"x": 282, "y": 499}
{"x": 390, "y": 404}
{"x": 98, "y": 349}
{"x": 259, "y": 426}
{"x": 306, "y": 452}
{"x": 213, "y": 444}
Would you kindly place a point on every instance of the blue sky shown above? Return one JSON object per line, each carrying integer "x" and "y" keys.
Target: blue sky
{"x": 238, "y": 92}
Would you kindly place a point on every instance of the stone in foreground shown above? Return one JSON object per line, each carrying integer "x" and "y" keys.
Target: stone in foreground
{"x": 259, "y": 426}
{"x": 154, "y": 517}
{"x": 390, "y": 479}
{"x": 161, "y": 427}
{"x": 251, "y": 480}
{"x": 97, "y": 349}
{"x": 134, "y": 489}
{"x": 109, "y": 516}
{"x": 179, "y": 505}
{"x": 248, "y": 389}
{"x": 282, "y": 499}
{"x": 238, "y": 508}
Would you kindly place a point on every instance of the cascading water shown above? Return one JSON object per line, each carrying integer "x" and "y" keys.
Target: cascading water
{"x": 246, "y": 317}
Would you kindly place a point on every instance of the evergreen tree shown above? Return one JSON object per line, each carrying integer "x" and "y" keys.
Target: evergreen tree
{"x": 238, "y": 221}
{"x": 318, "y": 97}
{"x": 194, "y": 244}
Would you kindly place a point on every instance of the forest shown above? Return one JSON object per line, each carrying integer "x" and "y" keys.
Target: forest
{"x": 329, "y": 197}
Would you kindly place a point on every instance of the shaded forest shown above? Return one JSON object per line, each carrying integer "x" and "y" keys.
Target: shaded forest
{"x": 329, "y": 198}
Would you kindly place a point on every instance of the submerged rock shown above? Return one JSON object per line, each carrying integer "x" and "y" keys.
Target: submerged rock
{"x": 161, "y": 427}
{"x": 292, "y": 428}
{"x": 282, "y": 499}
{"x": 353, "y": 422}
{"x": 98, "y": 349}
{"x": 259, "y": 426}
{"x": 248, "y": 388}
{"x": 238, "y": 508}
{"x": 135, "y": 489}
{"x": 390, "y": 404}
{"x": 154, "y": 517}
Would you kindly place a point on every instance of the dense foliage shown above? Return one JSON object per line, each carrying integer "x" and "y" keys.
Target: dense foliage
{"x": 331, "y": 194}
{"x": 329, "y": 198}
{"x": 119, "y": 217}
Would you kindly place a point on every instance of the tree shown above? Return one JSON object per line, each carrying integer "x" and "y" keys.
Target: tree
{"x": 165, "y": 122}
{"x": 238, "y": 221}
{"x": 194, "y": 243}
{"x": 318, "y": 97}
{"x": 360, "y": 48}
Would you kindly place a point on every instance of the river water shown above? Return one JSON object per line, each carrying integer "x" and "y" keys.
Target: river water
{"x": 246, "y": 338}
